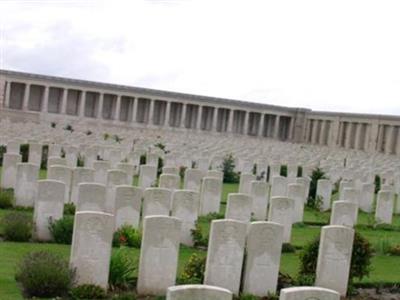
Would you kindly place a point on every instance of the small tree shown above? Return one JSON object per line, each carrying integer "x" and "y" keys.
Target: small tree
{"x": 316, "y": 175}
{"x": 228, "y": 167}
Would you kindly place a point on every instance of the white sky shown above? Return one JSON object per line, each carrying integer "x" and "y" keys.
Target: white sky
{"x": 324, "y": 55}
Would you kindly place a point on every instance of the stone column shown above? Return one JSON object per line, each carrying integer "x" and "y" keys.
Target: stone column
{"x": 8, "y": 93}
{"x": 276, "y": 127}
{"x": 334, "y": 133}
{"x": 291, "y": 129}
{"x": 230, "y": 120}
{"x": 358, "y": 136}
{"x": 134, "y": 109}
{"x": 389, "y": 140}
{"x": 246, "y": 123}
{"x": 200, "y": 112}
{"x": 398, "y": 141}
{"x": 100, "y": 107}
{"x": 45, "y": 100}
{"x": 151, "y": 113}
{"x": 82, "y": 103}
{"x": 117, "y": 108}
{"x": 26, "y": 97}
{"x": 183, "y": 116}
{"x": 373, "y": 136}
{"x": 321, "y": 138}
{"x": 215, "y": 119}
{"x": 64, "y": 101}
{"x": 314, "y": 132}
{"x": 167, "y": 114}
{"x": 348, "y": 135}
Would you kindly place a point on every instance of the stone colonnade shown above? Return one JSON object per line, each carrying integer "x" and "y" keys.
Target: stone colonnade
{"x": 48, "y": 98}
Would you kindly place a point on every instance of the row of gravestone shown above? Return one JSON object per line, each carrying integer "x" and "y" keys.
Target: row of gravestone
{"x": 227, "y": 265}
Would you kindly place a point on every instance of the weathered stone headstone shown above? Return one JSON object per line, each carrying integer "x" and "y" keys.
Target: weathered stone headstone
{"x": 308, "y": 293}
{"x": 367, "y": 197}
{"x": 239, "y": 207}
{"x": 260, "y": 196}
{"x": 9, "y": 170}
{"x": 114, "y": 177}
{"x": 192, "y": 180}
{"x": 156, "y": 201}
{"x": 281, "y": 211}
{"x": 305, "y": 181}
{"x": 279, "y": 186}
{"x": 296, "y": 192}
{"x": 324, "y": 192}
{"x": 344, "y": 213}
{"x": 49, "y": 207}
{"x": 35, "y": 153}
{"x": 169, "y": 181}
{"x": 80, "y": 175}
{"x": 91, "y": 197}
{"x": 198, "y": 292}
{"x": 170, "y": 170}
{"x": 128, "y": 200}
{"x": 158, "y": 255}
{"x": 101, "y": 168}
{"x": 245, "y": 183}
{"x": 215, "y": 174}
{"x": 147, "y": 176}
{"x": 55, "y": 160}
{"x": 225, "y": 254}
{"x": 384, "y": 207}
{"x": 334, "y": 253}
{"x": 129, "y": 169}
{"x": 210, "y": 195}
{"x": 63, "y": 174}
{"x": 263, "y": 248}
{"x": 26, "y": 186}
{"x": 91, "y": 247}
{"x": 185, "y": 206}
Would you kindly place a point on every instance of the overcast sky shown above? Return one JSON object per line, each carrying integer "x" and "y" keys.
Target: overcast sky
{"x": 324, "y": 55}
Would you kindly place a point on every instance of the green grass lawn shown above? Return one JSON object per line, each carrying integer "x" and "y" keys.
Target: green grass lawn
{"x": 384, "y": 268}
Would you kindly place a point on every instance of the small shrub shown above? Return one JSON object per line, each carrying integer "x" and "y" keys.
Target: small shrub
{"x": 3, "y": 149}
{"x": 193, "y": 271}
{"x": 377, "y": 183}
{"x": 213, "y": 216}
{"x": 316, "y": 175}
{"x": 360, "y": 259}
{"x": 228, "y": 167}
{"x": 395, "y": 250}
{"x": 106, "y": 136}
{"x": 44, "y": 274}
{"x": 383, "y": 246}
{"x": 17, "y": 227}
{"x": 288, "y": 248}
{"x": 127, "y": 235}
{"x": 24, "y": 151}
{"x": 142, "y": 159}
{"x": 62, "y": 229}
{"x": 283, "y": 171}
{"x": 53, "y": 124}
{"x": 45, "y": 155}
{"x": 284, "y": 281}
{"x": 6, "y": 199}
{"x": 122, "y": 269}
{"x": 80, "y": 160}
{"x": 89, "y": 132}
{"x": 69, "y": 208}
{"x": 199, "y": 240}
{"x": 117, "y": 138}
{"x": 182, "y": 170}
{"x": 68, "y": 127}
{"x": 88, "y": 291}
{"x": 160, "y": 146}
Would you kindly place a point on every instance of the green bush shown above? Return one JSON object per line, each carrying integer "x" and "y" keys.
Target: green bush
{"x": 228, "y": 167}
{"x": 283, "y": 171}
{"x": 6, "y": 199}
{"x": 24, "y": 151}
{"x": 127, "y": 235}
{"x": 69, "y": 127}
{"x": 3, "y": 149}
{"x": 182, "y": 170}
{"x": 69, "y": 208}
{"x": 62, "y": 229}
{"x": 377, "y": 184}
{"x": 45, "y": 155}
{"x": 288, "y": 248}
{"x": 142, "y": 159}
{"x": 122, "y": 270}
{"x": 360, "y": 259}
{"x": 17, "y": 227}
{"x": 193, "y": 271}
{"x": 316, "y": 175}
{"x": 395, "y": 250}
{"x": 44, "y": 274}
{"x": 199, "y": 240}
{"x": 88, "y": 291}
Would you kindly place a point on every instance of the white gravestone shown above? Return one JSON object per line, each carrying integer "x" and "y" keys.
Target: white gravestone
{"x": 192, "y": 180}
{"x": 63, "y": 174}
{"x": 344, "y": 213}
{"x": 26, "y": 186}
{"x": 80, "y": 175}
{"x": 147, "y": 176}
{"x": 308, "y": 293}
{"x": 198, "y": 292}
{"x": 9, "y": 170}
{"x": 279, "y": 186}
{"x": 260, "y": 194}
{"x": 296, "y": 192}
{"x": 128, "y": 200}
{"x": 281, "y": 211}
{"x": 245, "y": 183}
{"x": 91, "y": 197}
{"x": 384, "y": 207}
{"x": 210, "y": 195}
{"x": 239, "y": 207}
{"x": 169, "y": 181}
{"x": 324, "y": 192}
{"x": 100, "y": 171}
{"x": 156, "y": 201}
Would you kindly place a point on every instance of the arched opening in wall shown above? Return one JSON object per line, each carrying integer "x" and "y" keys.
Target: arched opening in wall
{"x": 17, "y": 93}
{"x": 254, "y": 123}
{"x": 91, "y": 104}
{"x": 343, "y": 133}
{"x": 318, "y": 125}
{"x": 175, "y": 114}
{"x": 353, "y": 129}
{"x": 143, "y": 109}
{"x": 238, "y": 121}
{"x": 207, "y": 118}
{"x": 284, "y": 125}
{"x": 55, "y": 100}
{"x": 160, "y": 108}
{"x": 73, "y": 101}
{"x": 222, "y": 120}
{"x": 191, "y": 115}
{"x": 109, "y": 106}
{"x": 36, "y": 93}
{"x": 363, "y": 133}
{"x": 310, "y": 128}
{"x": 125, "y": 114}
{"x": 326, "y": 132}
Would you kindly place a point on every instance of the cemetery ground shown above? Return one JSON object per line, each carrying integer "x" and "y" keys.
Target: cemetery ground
{"x": 385, "y": 269}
